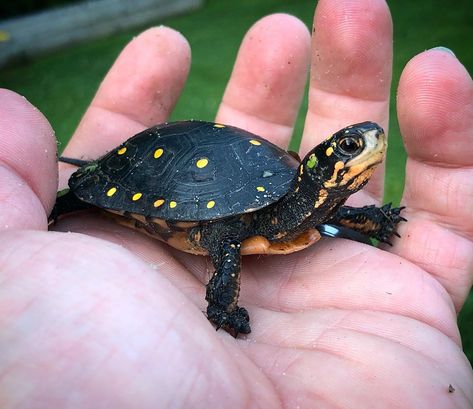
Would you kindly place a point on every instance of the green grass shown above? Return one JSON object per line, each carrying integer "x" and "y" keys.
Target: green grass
{"x": 62, "y": 84}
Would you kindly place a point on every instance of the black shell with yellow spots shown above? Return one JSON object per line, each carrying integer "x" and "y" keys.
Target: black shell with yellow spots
{"x": 187, "y": 171}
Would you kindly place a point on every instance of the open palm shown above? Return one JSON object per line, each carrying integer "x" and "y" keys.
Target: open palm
{"x": 110, "y": 318}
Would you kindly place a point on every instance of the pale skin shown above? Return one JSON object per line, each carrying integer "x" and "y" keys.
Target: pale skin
{"x": 110, "y": 318}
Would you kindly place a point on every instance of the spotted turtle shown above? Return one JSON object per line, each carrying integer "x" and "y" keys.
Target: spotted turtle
{"x": 217, "y": 190}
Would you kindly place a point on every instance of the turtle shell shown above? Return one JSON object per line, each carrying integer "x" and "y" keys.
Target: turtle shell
{"x": 187, "y": 171}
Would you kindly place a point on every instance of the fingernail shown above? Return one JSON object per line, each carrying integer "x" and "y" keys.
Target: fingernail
{"x": 444, "y": 49}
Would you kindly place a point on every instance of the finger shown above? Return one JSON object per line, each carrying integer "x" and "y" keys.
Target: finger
{"x": 435, "y": 110}
{"x": 28, "y": 171}
{"x": 355, "y": 342}
{"x": 351, "y": 70}
{"x": 140, "y": 90}
{"x": 267, "y": 84}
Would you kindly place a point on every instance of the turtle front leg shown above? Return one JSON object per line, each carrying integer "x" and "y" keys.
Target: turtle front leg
{"x": 223, "y": 290}
{"x": 376, "y": 222}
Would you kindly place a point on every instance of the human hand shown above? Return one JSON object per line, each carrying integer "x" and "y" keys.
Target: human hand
{"x": 111, "y": 318}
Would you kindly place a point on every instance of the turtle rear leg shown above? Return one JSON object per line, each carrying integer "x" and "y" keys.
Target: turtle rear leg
{"x": 66, "y": 202}
{"x": 223, "y": 290}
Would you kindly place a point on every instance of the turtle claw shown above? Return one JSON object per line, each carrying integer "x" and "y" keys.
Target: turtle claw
{"x": 234, "y": 322}
{"x": 392, "y": 218}
{"x": 396, "y": 212}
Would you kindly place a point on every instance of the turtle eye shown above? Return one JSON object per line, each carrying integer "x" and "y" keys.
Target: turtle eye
{"x": 350, "y": 146}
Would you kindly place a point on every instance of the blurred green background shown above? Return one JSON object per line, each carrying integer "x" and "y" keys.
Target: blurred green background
{"x": 62, "y": 83}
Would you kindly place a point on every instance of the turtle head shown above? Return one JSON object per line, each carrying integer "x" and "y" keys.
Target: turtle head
{"x": 345, "y": 162}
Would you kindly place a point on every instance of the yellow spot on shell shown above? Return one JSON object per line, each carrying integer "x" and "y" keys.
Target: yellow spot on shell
{"x": 158, "y": 153}
{"x": 121, "y": 151}
{"x": 172, "y": 204}
{"x": 136, "y": 196}
{"x": 329, "y": 151}
{"x": 210, "y": 204}
{"x": 255, "y": 142}
{"x": 260, "y": 189}
{"x": 111, "y": 191}
{"x": 202, "y": 163}
{"x": 219, "y": 126}
{"x": 158, "y": 203}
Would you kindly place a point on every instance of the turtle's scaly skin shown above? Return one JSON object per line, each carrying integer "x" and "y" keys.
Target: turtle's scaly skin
{"x": 207, "y": 188}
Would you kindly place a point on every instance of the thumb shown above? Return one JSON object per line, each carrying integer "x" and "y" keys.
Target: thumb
{"x": 28, "y": 170}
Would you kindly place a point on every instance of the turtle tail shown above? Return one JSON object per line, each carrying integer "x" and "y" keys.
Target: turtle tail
{"x": 73, "y": 161}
